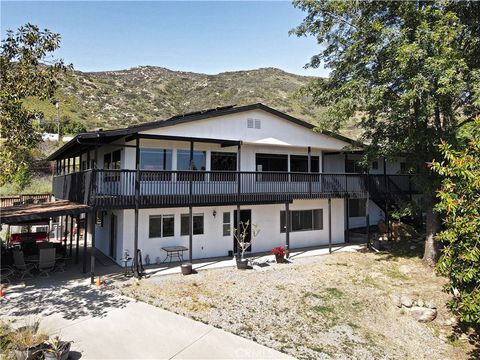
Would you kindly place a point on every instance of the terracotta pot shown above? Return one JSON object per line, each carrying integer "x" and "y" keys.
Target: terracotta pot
{"x": 279, "y": 258}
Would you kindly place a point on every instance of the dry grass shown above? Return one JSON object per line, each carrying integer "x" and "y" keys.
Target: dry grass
{"x": 335, "y": 306}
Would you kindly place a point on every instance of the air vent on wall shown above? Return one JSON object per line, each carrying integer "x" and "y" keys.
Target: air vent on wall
{"x": 250, "y": 123}
{"x": 254, "y": 124}
{"x": 257, "y": 124}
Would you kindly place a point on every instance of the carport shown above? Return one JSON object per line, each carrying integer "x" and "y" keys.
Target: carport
{"x": 66, "y": 211}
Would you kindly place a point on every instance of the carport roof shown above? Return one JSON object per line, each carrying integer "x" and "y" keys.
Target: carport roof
{"x": 33, "y": 212}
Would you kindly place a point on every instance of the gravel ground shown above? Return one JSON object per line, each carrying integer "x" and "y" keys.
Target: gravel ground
{"x": 327, "y": 307}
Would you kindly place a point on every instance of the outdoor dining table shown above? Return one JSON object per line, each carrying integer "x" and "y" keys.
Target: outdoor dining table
{"x": 174, "y": 251}
{"x": 36, "y": 258}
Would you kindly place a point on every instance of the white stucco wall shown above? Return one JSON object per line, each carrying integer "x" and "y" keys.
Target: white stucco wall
{"x": 212, "y": 243}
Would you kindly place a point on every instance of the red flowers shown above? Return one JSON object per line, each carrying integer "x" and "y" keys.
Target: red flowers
{"x": 279, "y": 251}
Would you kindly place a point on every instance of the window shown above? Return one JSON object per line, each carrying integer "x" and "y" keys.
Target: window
{"x": 302, "y": 220}
{"x": 403, "y": 168}
{"x": 223, "y": 161}
{"x": 357, "y": 207}
{"x": 299, "y": 163}
{"x": 271, "y": 162}
{"x": 353, "y": 166}
{"x": 375, "y": 165}
{"x": 112, "y": 160}
{"x": 198, "y": 164}
{"x": 155, "y": 159}
{"x": 226, "y": 224}
{"x": 161, "y": 226}
{"x": 197, "y": 224}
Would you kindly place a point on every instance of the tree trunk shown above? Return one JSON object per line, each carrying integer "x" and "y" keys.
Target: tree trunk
{"x": 432, "y": 246}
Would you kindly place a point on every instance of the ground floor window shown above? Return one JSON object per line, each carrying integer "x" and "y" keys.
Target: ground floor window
{"x": 197, "y": 224}
{"x": 226, "y": 224}
{"x": 302, "y": 220}
{"x": 357, "y": 207}
{"x": 161, "y": 226}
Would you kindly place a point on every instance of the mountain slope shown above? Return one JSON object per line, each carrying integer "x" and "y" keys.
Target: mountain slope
{"x": 120, "y": 98}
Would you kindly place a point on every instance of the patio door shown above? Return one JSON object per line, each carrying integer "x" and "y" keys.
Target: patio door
{"x": 245, "y": 215}
{"x": 113, "y": 237}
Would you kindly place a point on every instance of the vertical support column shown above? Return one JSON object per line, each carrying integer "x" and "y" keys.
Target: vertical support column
{"x": 68, "y": 166}
{"x": 287, "y": 227}
{"x": 92, "y": 252}
{"x": 85, "y": 237}
{"x": 309, "y": 167}
{"x": 347, "y": 220}
{"x": 137, "y": 206}
{"x": 77, "y": 240}
{"x": 330, "y": 225}
{"x": 190, "y": 208}
{"x": 65, "y": 235}
{"x": 239, "y": 189}
{"x": 74, "y": 163}
{"x": 71, "y": 236}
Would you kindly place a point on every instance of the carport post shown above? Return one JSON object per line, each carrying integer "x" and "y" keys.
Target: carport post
{"x": 137, "y": 205}
{"x": 65, "y": 235}
{"x": 78, "y": 240}
{"x": 92, "y": 252}
{"x": 71, "y": 236}
{"x": 330, "y": 225}
{"x": 85, "y": 235}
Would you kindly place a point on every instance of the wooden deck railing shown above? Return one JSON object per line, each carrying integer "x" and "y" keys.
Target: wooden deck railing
{"x": 6, "y": 201}
{"x": 116, "y": 188}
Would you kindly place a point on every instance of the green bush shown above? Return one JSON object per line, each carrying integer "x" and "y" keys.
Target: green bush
{"x": 459, "y": 202}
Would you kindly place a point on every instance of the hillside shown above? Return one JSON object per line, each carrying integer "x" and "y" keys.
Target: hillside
{"x": 114, "y": 99}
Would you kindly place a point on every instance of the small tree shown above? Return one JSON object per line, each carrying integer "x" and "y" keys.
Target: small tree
{"x": 26, "y": 69}
{"x": 459, "y": 197}
{"x": 242, "y": 237}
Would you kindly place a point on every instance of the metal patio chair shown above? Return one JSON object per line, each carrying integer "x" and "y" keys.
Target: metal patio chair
{"x": 46, "y": 262}
{"x": 21, "y": 268}
{"x": 6, "y": 273}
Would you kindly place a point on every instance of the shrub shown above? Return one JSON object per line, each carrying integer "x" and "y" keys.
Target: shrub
{"x": 279, "y": 251}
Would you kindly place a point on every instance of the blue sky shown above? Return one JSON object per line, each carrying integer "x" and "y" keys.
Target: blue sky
{"x": 207, "y": 37}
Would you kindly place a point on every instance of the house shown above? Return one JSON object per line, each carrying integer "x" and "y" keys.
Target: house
{"x": 189, "y": 180}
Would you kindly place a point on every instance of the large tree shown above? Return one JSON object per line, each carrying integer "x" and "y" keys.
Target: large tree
{"x": 26, "y": 69}
{"x": 407, "y": 70}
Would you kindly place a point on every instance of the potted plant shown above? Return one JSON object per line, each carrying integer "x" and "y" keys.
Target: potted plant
{"x": 186, "y": 268}
{"x": 26, "y": 342}
{"x": 279, "y": 253}
{"x": 56, "y": 349}
{"x": 243, "y": 245}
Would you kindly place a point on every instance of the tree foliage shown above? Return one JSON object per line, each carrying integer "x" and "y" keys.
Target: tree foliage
{"x": 26, "y": 69}
{"x": 408, "y": 70}
{"x": 459, "y": 197}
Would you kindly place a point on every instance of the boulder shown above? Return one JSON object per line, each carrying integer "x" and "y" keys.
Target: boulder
{"x": 396, "y": 300}
{"x": 423, "y": 314}
{"x": 430, "y": 304}
{"x": 407, "y": 302}
{"x": 420, "y": 303}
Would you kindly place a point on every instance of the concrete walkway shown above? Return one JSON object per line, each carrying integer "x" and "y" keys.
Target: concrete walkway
{"x": 104, "y": 325}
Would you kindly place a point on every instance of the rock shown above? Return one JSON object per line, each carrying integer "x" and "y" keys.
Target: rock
{"x": 396, "y": 300}
{"x": 430, "y": 304}
{"x": 420, "y": 303}
{"x": 423, "y": 314}
{"x": 407, "y": 302}
{"x": 404, "y": 269}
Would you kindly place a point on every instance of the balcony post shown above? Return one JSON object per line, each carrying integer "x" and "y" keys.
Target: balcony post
{"x": 330, "y": 225}
{"x": 309, "y": 167}
{"x": 137, "y": 206}
{"x": 190, "y": 209}
{"x": 71, "y": 236}
{"x": 239, "y": 168}
{"x": 287, "y": 227}
{"x": 347, "y": 218}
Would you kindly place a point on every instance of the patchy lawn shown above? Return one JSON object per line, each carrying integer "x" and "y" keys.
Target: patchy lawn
{"x": 335, "y": 306}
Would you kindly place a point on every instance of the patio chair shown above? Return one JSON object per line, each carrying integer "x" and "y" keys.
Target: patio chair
{"x": 46, "y": 262}
{"x": 6, "y": 273}
{"x": 60, "y": 265}
{"x": 21, "y": 268}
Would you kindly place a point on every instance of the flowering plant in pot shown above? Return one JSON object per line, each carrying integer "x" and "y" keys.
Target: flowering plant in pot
{"x": 279, "y": 253}
{"x": 57, "y": 349}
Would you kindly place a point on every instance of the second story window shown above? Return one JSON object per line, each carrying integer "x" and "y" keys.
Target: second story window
{"x": 155, "y": 159}
{"x": 112, "y": 160}
{"x": 198, "y": 163}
